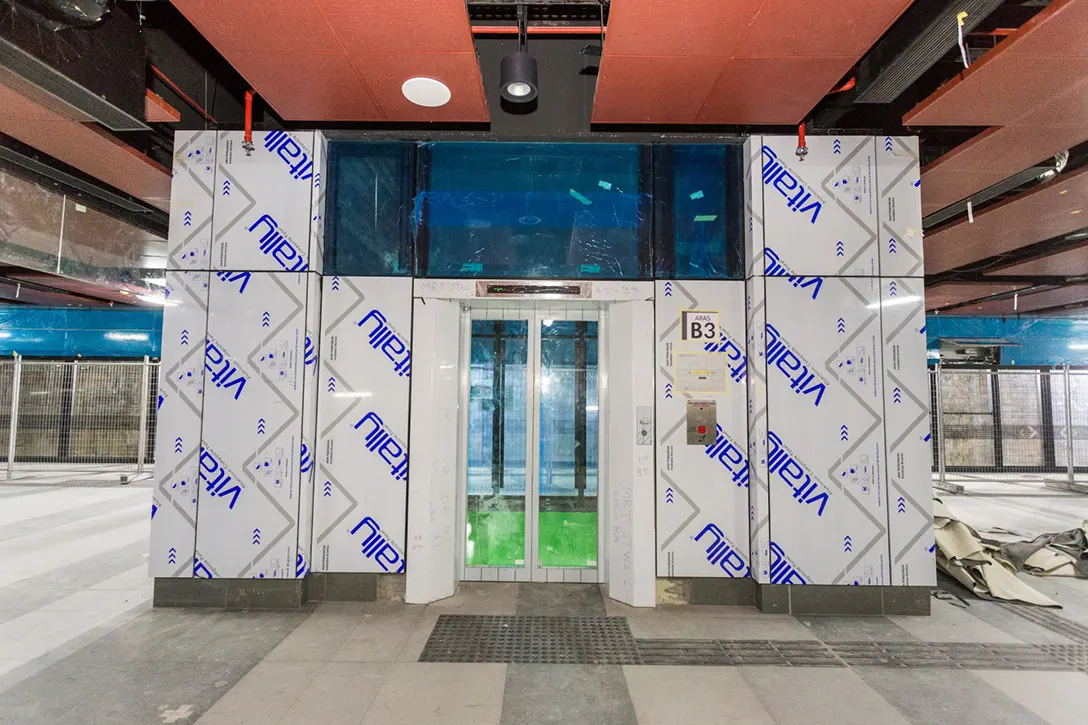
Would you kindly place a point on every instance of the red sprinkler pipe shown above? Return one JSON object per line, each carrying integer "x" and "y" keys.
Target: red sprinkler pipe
{"x": 802, "y": 148}
{"x": 846, "y": 86}
{"x": 249, "y": 117}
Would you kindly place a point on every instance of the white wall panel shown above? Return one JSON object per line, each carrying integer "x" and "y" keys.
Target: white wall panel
{"x": 825, "y": 449}
{"x": 630, "y": 395}
{"x": 433, "y": 508}
{"x": 702, "y": 491}
{"x": 262, "y": 203}
{"x": 252, "y": 435}
{"x": 907, "y": 423}
{"x": 309, "y": 453}
{"x": 753, "y": 206}
{"x": 820, "y": 214}
{"x": 759, "y": 523}
{"x": 177, "y": 441}
{"x": 900, "y": 211}
{"x": 192, "y": 197}
{"x": 359, "y": 513}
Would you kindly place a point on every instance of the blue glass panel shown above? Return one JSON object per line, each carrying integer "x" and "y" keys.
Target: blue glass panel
{"x": 368, "y": 228}
{"x": 699, "y": 214}
{"x": 533, "y": 211}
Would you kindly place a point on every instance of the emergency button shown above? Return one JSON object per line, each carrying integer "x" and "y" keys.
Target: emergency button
{"x": 702, "y": 430}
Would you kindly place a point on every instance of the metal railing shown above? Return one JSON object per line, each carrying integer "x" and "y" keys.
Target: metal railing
{"x": 1010, "y": 423}
{"x": 78, "y": 415}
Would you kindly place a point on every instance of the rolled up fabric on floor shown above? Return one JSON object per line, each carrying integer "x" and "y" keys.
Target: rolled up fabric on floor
{"x": 979, "y": 566}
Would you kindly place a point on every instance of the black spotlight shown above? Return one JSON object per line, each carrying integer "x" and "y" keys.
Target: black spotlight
{"x": 517, "y": 76}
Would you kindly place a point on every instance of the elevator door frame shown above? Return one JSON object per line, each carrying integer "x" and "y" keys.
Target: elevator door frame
{"x": 535, "y": 312}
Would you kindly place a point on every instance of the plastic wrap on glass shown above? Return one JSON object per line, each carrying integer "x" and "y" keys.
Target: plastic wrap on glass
{"x": 30, "y": 219}
{"x": 698, "y": 211}
{"x": 533, "y": 210}
{"x": 56, "y": 332}
{"x": 370, "y": 194}
{"x": 103, "y": 250}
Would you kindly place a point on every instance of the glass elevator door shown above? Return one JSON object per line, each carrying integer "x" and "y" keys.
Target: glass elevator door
{"x": 533, "y": 434}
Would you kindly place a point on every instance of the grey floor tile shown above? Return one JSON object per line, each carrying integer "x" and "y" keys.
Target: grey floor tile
{"x": 417, "y": 640}
{"x": 479, "y": 598}
{"x": 819, "y": 696}
{"x": 315, "y": 640}
{"x": 686, "y": 624}
{"x": 266, "y": 693}
{"x": 340, "y": 694}
{"x": 584, "y": 694}
{"x": 439, "y": 694}
{"x": 856, "y": 629}
{"x": 686, "y": 695}
{"x": 377, "y": 638}
{"x": 1013, "y": 624}
{"x": 941, "y": 697}
{"x": 560, "y": 600}
{"x": 949, "y": 623}
{"x": 1060, "y": 698}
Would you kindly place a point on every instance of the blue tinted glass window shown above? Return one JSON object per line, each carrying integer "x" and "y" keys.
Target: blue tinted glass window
{"x": 368, "y": 230}
{"x": 533, "y": 210}
{"x": 698, "y": 211}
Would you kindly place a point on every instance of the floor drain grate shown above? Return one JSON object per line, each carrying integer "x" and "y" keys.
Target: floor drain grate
{"x": 543, "y": 640}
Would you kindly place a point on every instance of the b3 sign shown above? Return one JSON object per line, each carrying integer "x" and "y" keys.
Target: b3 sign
{"x": 699, "y": 326}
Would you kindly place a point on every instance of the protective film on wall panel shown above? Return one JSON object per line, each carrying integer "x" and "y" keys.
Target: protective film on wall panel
{"x": 252, "y": 432}
{"x": 698, "y": 211}
{"x": 369, "y": 207}
{"x": 702, "y": 490}
{"x": 899, "y": 208}
{"x": 192, "y": 197}
{"x": 362, "y": 454}
{"x": 262, "y": 201}
{"x": 311, "y": 386}
{"x": 819, "y": 214}
{"x": 907, "y": 426}
{"x": 571, "y": 211}
{"x": 179, "y": 410}
{"x": 825, "y": 432}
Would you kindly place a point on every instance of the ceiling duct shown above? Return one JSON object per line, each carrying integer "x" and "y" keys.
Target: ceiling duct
{"x": 87, "y": 74}
{"x": 928, "y": 46}
{"x": 71, "y": 13}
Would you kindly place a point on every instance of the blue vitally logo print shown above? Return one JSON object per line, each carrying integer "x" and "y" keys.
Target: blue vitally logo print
{"x": 382, "y": 336}
{"x": 275, "y": 243}
{"x": 306, "y": 462}
{"x": 782, "y": 571}
{"x": 793, "y": 473}
{"x": 297, "y": 160}
{"x": 726, "y": 451}
{"x": 736, "y": 355}
{"x": 224, "y": 373}
{"x": 242, "y": 277}
{"x": 377, "y": 547}
{"x": 798, "y": 198}
{"x": 803, "y": 381}
{"x": 216, "y": 479}
{"x": 309, "y": 354}
{"x": 379, "y": 439}
{"x": 302, "y": 567}
{"x": 777, "y": 268}
{"x": 723, "y": 553}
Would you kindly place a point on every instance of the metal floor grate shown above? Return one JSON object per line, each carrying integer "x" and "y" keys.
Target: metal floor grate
{"x": 544, "y": 640}
{"x": 939, "y": 655}
{"x": 608, "y": 641}
{"x": 1049, "y": 619}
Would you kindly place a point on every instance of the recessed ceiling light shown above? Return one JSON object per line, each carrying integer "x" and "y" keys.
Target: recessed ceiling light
{"x": 1075, "y": 211}
{"x": 426, "y": 92}
{"x": 1063, "y": 191}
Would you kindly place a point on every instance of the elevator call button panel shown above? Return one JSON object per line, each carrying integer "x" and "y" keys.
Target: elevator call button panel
{"x": 702, "y": 422}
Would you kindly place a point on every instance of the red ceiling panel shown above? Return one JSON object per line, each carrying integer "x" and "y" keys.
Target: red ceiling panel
{"x": 85, "y": 147}
{"x": 345, "y": 60}
{"x": 322, "y": 87}
{"x": 992, "y": 156}
{"x": 753, "y": 91}
{"x": 1070, "y": 263}
{"x": 772, "y": 60}
{"x": 954, "y": 293}
{"x": 1071, "y": 294}
{"x": 1049, "y": 210}
{"x": 1033, "y": 86}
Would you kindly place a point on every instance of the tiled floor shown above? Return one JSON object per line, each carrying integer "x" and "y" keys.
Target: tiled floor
{"x": 79, "y": 643}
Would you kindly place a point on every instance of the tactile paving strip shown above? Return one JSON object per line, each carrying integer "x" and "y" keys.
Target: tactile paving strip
{"x": 543, "y": 640}
{"x": 1049, "y": 620}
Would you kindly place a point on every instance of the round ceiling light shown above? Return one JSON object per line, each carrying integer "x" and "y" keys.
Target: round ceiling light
{"x": 426, "y": 92}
